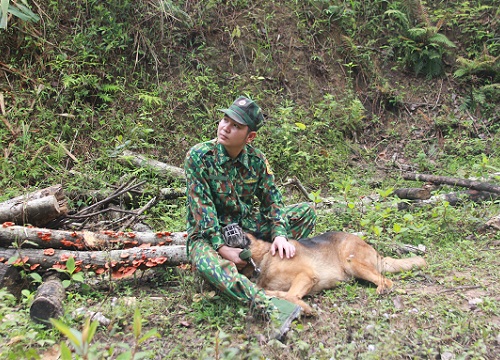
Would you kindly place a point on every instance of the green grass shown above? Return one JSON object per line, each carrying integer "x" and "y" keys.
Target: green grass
{"x": 450, "y": 306}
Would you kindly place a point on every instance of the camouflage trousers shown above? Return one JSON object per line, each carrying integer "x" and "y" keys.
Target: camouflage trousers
{"x": 224, "y": 275}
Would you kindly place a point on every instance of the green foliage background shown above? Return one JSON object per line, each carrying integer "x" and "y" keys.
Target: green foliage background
{"x": 94, "y": 78}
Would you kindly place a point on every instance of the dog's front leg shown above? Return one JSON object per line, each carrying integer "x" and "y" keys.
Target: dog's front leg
{"x": 300, "y": 287}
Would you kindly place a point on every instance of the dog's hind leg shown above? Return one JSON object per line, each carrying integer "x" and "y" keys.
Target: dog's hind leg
{"x": 365, "y": 270}
{"x": 300, "y": 287}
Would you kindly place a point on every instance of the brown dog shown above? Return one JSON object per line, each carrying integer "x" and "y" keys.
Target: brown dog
{"x": 320, "y": 263}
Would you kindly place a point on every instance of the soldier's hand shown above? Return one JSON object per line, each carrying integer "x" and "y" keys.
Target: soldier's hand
{"x": 283, "y": 247}
{"x": 232, "y": 254}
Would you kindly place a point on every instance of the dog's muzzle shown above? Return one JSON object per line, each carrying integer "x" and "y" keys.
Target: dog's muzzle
{"x": 234, "y": 237}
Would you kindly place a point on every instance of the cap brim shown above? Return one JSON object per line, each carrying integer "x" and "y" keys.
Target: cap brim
{"x": 234, "y": 116}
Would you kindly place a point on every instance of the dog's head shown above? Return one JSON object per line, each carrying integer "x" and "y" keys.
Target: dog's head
{"x": 258, "y": 247}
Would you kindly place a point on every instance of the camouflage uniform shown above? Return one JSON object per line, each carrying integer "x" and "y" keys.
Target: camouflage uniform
{"x": 222, "y": 190}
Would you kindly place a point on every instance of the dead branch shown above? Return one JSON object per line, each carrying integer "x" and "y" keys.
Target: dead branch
{"x": 120, "y": 191}
{"x": 455, "y": 198}
{"x": 471, "y": 184}
{"x": 163, "y": 169}
{"x": 136, "y": 216}
{"x": 296, "y": 182}
{"x": 56, "y": 190}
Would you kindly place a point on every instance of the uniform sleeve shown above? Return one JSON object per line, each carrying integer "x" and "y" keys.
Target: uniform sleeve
{"x": 271, "y": 200}
{"x": 202, "y": 218}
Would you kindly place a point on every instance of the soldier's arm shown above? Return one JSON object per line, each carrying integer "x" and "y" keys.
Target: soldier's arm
{"x": 203, "y": 223}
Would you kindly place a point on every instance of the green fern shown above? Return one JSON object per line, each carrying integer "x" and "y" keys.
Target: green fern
{"x": 442, "y": 40}
{"x": 400, "y": 17}
{"x": 485, "y": 66}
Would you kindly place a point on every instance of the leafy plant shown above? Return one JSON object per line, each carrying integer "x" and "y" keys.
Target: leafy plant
{"x": 72, "y": 271}
{"x": 79, "y": 340}
{"x": 139, "y": 339}
{"x": 422, "y": 47}
{"x": 19, "y": 9}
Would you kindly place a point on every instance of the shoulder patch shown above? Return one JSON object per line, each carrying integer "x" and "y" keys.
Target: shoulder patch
{"x": 268, "y": 167}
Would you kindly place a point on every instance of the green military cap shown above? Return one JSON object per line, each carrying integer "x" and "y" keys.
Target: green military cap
{"x": 246, "y": 112}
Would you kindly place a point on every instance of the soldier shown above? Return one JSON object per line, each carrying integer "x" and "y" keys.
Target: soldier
{"x": 226, "y": 178}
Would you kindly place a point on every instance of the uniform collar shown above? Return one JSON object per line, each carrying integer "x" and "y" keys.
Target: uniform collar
{"x": 222, "y": 157}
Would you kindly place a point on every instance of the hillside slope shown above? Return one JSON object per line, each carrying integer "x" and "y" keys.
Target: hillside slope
{"x": 338, "y": 81}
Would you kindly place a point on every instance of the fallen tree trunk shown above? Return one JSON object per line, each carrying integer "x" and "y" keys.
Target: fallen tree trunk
{"x": 10, "y": 278}
{"x": 48, "y": 301}
{"x": 162, "y": 168}
{"x": 338, "y": 206}
{"x": 38, "y": 208}
{"x": 471, "y": 184}
{"x": 120, "y": 263}
{"x": 84, "y": 240}
{"x": 452, "y": 198}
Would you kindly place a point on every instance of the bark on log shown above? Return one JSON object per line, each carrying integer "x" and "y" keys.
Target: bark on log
{"x": 37, "y": 212}
{"x": 162, "y": 168}
{"x": 10, "y": 278}
{"x": 120, "y": 263}
{"x": 471, "y": 184}
{"x": 48, "y": 301}
{"x": 413, "y": 193}
{"x": 37, "y": 208}
{"x": 85, "y": 240}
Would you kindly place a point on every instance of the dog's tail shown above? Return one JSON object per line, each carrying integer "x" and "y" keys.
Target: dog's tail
{"x": 391, "y": 265}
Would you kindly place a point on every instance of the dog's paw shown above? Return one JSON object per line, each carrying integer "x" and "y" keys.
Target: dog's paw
{"x": 383, "y": 290}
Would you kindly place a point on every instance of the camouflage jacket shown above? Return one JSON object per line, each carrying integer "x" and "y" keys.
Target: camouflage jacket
{"x": 221, "y": 191}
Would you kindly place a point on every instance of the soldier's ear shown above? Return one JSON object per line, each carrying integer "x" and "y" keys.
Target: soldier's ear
{"x": 251, "y": 136}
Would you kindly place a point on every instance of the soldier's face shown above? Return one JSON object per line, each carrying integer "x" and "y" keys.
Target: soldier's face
{"x": 232, "y": 134}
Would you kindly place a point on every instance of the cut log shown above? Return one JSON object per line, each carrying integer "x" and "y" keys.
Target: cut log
{"x": 36, "y": 212}
{"x": 413, "y": 193}
{"x": 162, "y": 168}
{"x": 10, "y": 278}
{"x": 48, "y": 301}
{"x": 120, "y": 263}
{"x": 84, "y": 240}
{"x": 471, "y": 184}
{"x": 37, "y": 208}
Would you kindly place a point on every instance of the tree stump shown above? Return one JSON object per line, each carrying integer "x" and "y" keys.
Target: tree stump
{"x": 48, "y": 301}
